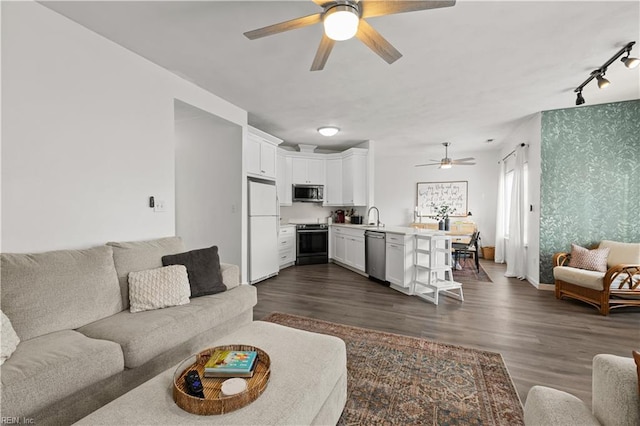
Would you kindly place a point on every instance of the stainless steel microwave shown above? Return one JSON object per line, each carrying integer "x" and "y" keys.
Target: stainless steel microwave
{"x": 308, "y": 193}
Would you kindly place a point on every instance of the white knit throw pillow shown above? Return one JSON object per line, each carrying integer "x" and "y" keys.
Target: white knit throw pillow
{"x": 9, "y": 340}
{"x": 158, "y": 288}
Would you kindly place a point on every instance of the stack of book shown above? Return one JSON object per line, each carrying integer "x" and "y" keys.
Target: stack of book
{"x": 231, "y": 364}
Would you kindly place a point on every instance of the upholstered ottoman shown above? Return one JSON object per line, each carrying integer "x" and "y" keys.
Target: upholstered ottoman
{"x": 308, "y": 385}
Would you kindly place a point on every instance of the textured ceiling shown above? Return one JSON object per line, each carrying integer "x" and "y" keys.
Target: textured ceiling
{"x": 468, "y": 73}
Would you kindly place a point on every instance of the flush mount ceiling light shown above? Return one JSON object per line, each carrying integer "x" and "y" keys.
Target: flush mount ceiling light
{"x": 341, "y": 22}
{"x": 328, "y": 131}
{"x": 598, "y": 74}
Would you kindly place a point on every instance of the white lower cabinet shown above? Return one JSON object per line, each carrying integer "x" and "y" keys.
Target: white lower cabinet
{"x": 399, "y": 262}
{"x": 287, "y": 246}
{"x": 348, "y": 247}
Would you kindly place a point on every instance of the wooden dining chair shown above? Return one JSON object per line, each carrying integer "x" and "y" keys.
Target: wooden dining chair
{"x": 467, "y": 250}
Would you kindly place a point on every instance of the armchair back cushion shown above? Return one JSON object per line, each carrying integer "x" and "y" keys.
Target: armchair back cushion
{"x": 58, "y": 290}
{"x": 621, "y": 253}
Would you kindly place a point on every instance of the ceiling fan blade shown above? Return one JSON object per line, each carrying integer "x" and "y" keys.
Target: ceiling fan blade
{"x": 293, "y": 24}
{"x": 322, "y": 54}
{"x": 371, "y": 8}
{"x": 428, "y": 164}
{"x": 372, "y": 38}
{"x": 462, "y": 164}
{"x": 321, "y": 3}
{"x": 464, "y": 159}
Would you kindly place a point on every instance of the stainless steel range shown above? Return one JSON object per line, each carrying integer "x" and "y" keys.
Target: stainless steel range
{"x": 312, "y": 244}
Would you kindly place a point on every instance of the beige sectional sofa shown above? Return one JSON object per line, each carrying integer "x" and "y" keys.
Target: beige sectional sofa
{"x": 80, "y": 346}
{"x": 615, "y": 401}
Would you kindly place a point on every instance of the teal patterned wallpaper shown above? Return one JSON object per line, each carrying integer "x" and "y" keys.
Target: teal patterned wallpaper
{"x": 590, "y": 182}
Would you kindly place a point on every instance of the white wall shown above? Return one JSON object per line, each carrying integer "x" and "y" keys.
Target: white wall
{"x": 208, "y": 182}
{"x": 87, "y": 136}
{"x": 396, "y": 179}
{"x": 530, "y": 132}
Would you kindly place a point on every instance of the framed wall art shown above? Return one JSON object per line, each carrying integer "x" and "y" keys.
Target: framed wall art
{"x": 453, "y": 194}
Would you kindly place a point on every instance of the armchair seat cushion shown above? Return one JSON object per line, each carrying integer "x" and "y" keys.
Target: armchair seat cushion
{"x": 581, "y": 277}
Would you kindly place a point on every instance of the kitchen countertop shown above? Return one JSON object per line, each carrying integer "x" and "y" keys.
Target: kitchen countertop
{"x": 403, "y": 230}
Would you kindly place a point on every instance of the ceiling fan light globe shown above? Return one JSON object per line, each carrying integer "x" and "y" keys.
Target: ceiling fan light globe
{"x": 445, "y": 166}
{"x": 341, "y": 22}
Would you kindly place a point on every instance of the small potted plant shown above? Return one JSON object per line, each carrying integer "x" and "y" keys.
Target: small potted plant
{"x": 442, "y": 215}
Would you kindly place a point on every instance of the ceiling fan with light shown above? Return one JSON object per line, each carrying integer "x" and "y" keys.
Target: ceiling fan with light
{"x": 343, "y": 19}
{"x": 447, "y": 162}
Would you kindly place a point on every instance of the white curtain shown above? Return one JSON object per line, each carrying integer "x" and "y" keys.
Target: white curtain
{"x": 499, "y": 254}
{"x": 516, "y": 253}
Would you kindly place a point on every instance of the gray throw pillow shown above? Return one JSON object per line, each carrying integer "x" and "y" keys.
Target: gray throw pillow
{"x": 203, "y": 269}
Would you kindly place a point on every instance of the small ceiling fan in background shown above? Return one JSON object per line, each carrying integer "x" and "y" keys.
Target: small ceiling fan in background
{"x": 447, "y": 162}
{"x": 344, "y": 19}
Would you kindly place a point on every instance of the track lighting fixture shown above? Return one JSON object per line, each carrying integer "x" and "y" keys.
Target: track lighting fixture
{"x": 602, "y": 82}
{"x": 630, "y": 62}
{"x": 598, "y": 74}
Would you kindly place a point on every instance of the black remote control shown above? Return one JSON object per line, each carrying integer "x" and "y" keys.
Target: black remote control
{"x": 194, "y": 384}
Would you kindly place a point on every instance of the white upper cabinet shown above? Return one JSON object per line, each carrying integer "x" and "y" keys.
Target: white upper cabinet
{"x": 260, "y": 157}
{"x": 307, "y": 170}
{"x": 333, "y": 182}
{"x": 283, "y": 179}
{"x": 354, "y": 177}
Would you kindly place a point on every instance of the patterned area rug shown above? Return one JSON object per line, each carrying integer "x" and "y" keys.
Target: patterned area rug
{"x": 468, "y": 273}
{"x": 401, "y": 380}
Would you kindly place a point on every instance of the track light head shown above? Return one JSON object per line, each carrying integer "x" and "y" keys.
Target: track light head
{"x": 602, "y": 82}
{"x": 630, "y": 62}
{"x": 579, "y": 98}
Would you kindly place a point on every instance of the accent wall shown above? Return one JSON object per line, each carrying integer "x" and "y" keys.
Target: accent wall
{"x": 590, "y": 183}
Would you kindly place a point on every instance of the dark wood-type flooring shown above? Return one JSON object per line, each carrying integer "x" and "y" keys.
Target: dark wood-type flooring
{"x": 542, "y": 340}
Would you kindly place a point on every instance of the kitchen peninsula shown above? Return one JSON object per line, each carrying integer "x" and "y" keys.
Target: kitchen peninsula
{"x": 405, "y": 246}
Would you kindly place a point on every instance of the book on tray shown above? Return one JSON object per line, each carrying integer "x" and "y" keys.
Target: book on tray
{"x": 231, "y": 364}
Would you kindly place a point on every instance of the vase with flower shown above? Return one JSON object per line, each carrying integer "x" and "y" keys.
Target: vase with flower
{"x": 442, "y": 215}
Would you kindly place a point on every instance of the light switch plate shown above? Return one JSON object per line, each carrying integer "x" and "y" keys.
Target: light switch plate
{"x": 159, "y": 206}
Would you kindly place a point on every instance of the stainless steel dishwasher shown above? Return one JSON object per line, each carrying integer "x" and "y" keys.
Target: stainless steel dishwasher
{"x": 375, "y": 254}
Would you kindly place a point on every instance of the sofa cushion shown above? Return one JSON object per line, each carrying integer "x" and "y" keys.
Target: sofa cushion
{"x": 230, "y": 275}
{"x": 591, "y": 260}
{"x": 203, "y": 267}
{"x": 145, "y": 335}
{"x": 56, "y": 365}
{"x": 581, "y": 277}
{"x": 615, "y": 400}
{"x": 133, "y": 256}
{"x": 621, "y": 253}
{"x": 158, "y": 288}
{"x": 59, "y": 290}
{"x": 9, "y": 340}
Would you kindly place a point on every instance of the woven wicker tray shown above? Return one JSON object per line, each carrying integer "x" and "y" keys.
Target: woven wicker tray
{"x": 214, "y": 402}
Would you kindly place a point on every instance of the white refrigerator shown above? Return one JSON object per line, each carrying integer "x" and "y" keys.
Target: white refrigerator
{"x": 263, "y": 230}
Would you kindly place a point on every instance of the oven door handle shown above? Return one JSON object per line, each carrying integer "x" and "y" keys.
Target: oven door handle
{"x": 312, "y": 232}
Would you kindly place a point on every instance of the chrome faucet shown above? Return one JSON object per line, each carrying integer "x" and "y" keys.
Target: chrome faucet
{"x": 378, "y": 215}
